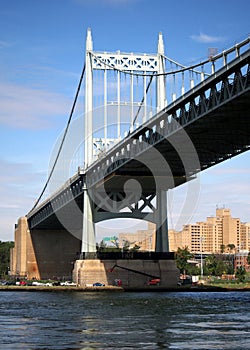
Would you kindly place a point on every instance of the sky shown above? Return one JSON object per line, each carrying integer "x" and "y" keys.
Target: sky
{"x": 42, "y": 51}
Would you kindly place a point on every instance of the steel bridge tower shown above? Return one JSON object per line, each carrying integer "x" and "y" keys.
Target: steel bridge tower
{"x": 133, "y": 65}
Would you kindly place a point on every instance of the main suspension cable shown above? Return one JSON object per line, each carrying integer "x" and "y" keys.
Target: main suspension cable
{"x": 142, "y": 101}
{"x": 63, "y": 139}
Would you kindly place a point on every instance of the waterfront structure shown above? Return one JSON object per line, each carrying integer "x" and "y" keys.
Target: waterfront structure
{"x": 50, "y": 256}
{"x": 19, "y": 265}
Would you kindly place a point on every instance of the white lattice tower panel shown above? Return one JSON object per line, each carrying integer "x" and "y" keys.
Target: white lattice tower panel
{"x": 124, "y": 89}
{"x": 125, "y": 62}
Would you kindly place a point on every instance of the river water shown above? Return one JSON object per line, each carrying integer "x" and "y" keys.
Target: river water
{"x": 117, "y": 320}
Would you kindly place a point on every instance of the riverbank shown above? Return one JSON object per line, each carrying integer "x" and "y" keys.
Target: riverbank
{"x": 185, "y": 288}
{"x": 60, "y": 288}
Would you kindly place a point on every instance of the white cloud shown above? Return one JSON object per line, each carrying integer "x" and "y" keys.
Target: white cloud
{"x": 207, "y": 39}
{"x": 27, "y": 108}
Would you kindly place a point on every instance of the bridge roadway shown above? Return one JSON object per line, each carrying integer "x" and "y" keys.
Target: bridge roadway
{"x": 215, "y": 116}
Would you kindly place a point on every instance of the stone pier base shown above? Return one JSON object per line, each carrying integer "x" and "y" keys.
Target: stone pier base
{"x": 130, "y": 273}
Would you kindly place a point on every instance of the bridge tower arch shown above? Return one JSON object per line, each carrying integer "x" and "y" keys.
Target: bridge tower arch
{"x": 133, "y": 65}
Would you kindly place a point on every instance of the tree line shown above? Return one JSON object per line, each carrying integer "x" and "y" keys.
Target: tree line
{"x": 5, "y": 257}
{"x": 213, "y": 265}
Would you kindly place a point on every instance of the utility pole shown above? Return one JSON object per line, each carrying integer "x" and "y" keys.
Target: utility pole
{"x": 201, "y": 247}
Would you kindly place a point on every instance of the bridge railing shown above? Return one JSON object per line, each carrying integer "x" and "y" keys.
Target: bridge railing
{"x": 183, "y": 78}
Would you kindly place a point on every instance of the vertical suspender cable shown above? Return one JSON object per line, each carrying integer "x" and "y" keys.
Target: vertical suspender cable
{"x": 105, "y": 108}
{"x": 118, "y": 105}
{"x": 131, "y": 101}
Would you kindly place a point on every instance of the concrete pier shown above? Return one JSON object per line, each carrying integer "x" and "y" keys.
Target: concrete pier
{"x": 43, "y": 254}
{"x": 130, "y": 273}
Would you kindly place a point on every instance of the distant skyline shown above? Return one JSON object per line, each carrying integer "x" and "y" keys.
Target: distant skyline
{"x": 42, "y": 48}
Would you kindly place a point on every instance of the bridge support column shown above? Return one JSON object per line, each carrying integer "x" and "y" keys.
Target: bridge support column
{"x": 161, "y": 85}
{"x": 88, "y": 122}
{"x": 161, "y": 244}
{"x": 88, "y": 235}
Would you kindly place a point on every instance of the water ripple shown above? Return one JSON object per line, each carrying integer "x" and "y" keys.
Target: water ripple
{"x": 124, "y": 321}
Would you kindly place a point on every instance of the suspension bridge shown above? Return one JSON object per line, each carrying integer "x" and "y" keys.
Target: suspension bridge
{"x": 150, "y": 124}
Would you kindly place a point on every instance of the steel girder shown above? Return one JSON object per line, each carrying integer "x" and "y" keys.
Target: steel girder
{"x": 72, "y": 191}
{"x": 120, "y": 205}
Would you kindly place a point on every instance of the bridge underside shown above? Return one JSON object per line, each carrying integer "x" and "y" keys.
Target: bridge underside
{"x": 222, "y": 133}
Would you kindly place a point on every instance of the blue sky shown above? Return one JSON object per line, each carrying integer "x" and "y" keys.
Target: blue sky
{"x": 42, "y": 46}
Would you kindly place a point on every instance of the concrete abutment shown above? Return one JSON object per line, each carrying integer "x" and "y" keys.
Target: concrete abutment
{"x": 43, "y": 254}
{"x": 131, "y": 273}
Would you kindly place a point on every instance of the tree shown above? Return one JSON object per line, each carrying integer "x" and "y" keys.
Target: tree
{"x": 182, "y": 256}
{"x": 115, "y": 241}
{"x": 222, "y": 248}
{"x": 193, "y": 270}
{"x": 101, "y": 246}
{"x": 240, "y": 274}
{"x": 210, "y": 265}
{"x": 218, "y": 264}
{"x": 125, "y": 245}
{"x": 231, "y": 247}
{"x": 220, "y": 268}
{"x": 5, "y": 257}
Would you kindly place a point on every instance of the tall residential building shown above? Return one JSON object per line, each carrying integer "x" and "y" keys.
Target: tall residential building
{"x": 218, "y": 233}
{"x": 145, "y": 239}
{"x": 245, "y": 236}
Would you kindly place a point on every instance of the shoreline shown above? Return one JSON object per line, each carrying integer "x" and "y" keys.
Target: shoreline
{"x": 122, "y": 289}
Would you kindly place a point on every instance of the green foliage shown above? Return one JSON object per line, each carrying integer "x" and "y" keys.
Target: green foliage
{"x": 210, "y": 265}
{"x": 5, "y": 257}
{"x": 230, "y": 268}
{"x": 213, "y": 265}
{"x": 220, "y": 268}
{"x": 193, "y": 270}
{"x": 115, "y": 242}
{"x": 231, "y": 247}
{"x": 240, "y": 274}
{"x": 182, "y": 256}
{"x": 104, "y": 248}
{"x": 222, "y": 248}
{"x": 216, "y": 265}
